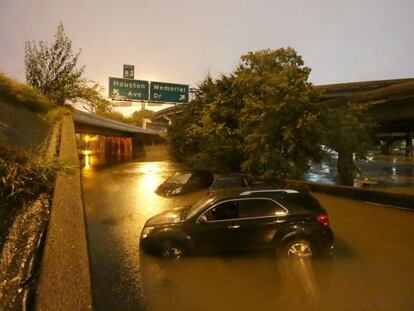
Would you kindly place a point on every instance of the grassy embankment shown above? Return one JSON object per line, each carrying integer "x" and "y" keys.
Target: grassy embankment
{"x": 25, "y": 173}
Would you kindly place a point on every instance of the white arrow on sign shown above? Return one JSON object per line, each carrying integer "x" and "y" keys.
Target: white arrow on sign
{"x": 182, "y": 97}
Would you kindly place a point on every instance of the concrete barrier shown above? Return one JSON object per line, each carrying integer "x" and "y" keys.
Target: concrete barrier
{"x": 400, "y": 200}
{"x": 64, "y": 281}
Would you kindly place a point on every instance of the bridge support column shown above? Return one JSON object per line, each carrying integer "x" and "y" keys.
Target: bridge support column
{"x": 409, "y": 149}
{"x": 386, "y": 148}
{"x": 137, "y": 146}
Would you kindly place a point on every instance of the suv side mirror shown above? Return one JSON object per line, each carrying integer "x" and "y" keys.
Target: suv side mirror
{"x": 202, "y": 219}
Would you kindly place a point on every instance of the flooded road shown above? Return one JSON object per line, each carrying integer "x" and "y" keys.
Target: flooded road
{"x": 387, "y": 173}
{"x": 371, "y": 269}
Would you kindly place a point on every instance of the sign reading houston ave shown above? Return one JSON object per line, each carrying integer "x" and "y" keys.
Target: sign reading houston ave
{"x": 128, "y": 89}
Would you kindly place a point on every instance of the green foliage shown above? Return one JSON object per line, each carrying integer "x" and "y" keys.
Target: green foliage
{"x": 137, "y": 117}
{"x": 24, "y": 176}
{"x": 23, "y": 95}
{"x": 264, "y": 119}
{"x": 56, "y": 114}
{"x": 280, "y": 124}
{"x": 53, "y": 70}
{"x": 258, "y": 119}
{"x": 101, "y": 104}
{"x": 348, "y": 130}
{"x": 93, "y": 96}
{"x": 217, "y": 130}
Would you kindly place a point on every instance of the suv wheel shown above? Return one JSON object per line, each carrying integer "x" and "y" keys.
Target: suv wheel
{"x": 298, "y": 249}
{"x": 172, "y": 251}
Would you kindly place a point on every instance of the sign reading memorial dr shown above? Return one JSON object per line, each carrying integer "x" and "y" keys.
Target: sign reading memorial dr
{"x": 168, "y": 92}
{"x": 128, "y": 89}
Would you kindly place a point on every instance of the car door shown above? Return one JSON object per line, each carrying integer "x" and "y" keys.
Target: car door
{"x": 260, "y": 219}
{"x": 217, "y": 229}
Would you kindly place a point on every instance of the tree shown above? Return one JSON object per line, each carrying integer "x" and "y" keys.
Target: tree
{"x": 259, "y": 119}
{"x": 137, "y": 117}
{"x": 280, "y": 124}
{"x": 347, "y": 130}
{"x": 53, "y": 69}
{"x": 207, "y": 134}
{"x": 265, "y": 119}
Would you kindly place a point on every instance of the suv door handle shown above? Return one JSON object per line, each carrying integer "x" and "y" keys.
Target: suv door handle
{"x": 233, "y": 227}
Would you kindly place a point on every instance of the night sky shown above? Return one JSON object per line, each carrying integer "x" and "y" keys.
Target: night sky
{"x": 182, "y": 41}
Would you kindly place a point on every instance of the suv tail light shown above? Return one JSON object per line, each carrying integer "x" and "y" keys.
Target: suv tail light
{"x": 323, "y": 219}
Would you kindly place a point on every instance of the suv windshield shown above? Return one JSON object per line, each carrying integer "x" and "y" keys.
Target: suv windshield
{"x": 178, "y": 178}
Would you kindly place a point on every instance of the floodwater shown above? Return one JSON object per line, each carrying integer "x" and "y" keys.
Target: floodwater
{"x": 386, "y": 173}
{"x": 371, "y": 268}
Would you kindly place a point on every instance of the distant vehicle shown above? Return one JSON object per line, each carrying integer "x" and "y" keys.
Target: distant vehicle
{"x": 290, "y": 222}
{"x": 231, "y": 181}
{"x": 184, "y": 182}
{"x": 237, "y": 181}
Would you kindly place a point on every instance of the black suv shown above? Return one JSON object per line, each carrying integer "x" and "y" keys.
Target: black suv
{"x": 237, "y": 181}
{"x": 288, "y": 221}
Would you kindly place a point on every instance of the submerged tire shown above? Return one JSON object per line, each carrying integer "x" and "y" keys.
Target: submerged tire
{"x": 172, "y": 250}
{"x": 298, "y": 249}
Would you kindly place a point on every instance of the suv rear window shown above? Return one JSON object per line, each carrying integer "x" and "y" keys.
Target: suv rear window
{"x": 259, "y": 208}
{"x": 299, "y": 202}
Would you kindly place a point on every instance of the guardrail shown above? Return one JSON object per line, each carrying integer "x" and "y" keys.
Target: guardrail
{"x": 64, "y": 282}
{"x": 399, "y": 200}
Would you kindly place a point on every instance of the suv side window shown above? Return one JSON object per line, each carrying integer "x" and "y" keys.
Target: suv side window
{"x": 224, "y": 211}
{"x": 259, "y": 208}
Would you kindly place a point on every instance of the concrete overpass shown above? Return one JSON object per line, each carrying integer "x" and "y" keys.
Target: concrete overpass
{"x": 391, "y": 106}
{"x": 392, "y": 101}
{"x": 103, "y": 138}
{"x": 87, "y": 123}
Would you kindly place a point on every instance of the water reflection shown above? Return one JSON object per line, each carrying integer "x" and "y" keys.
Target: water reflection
{"x": 97, "y": 150}
{"x": 300, "y": 274}
{"x": 120, "y": 198}
{"x": 150, "y": 176}
{"x": 229, "y": 283}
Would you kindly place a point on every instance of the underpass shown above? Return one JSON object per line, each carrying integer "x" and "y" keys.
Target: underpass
{"x": 371, "y": 268}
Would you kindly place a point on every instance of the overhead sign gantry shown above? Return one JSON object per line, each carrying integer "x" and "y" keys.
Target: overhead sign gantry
{"x": 141, "y": 90}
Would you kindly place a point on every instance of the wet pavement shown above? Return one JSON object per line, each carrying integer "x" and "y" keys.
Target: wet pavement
{"x": 371, "y": 268}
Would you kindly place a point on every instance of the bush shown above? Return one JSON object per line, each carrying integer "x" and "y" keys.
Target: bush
{"x": 24, "y": 176}
{"x": 24, "y": 95}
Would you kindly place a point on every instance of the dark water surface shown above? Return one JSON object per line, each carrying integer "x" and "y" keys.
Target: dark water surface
{"x": 371, "y": 269}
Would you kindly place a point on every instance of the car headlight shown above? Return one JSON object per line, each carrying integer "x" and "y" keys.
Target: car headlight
{"x": 177, "y": 191}
{"x": 146, "y": 232}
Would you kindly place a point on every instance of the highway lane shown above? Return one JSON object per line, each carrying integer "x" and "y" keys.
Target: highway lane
{"x": 371, "y": 269}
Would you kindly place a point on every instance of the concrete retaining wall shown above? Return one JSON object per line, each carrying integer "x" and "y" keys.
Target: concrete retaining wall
{"x": 64, "y": 282}
{"x": 369, "y": 195}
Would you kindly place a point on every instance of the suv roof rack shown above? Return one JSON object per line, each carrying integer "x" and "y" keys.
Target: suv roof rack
{"x": 270, "y": 190}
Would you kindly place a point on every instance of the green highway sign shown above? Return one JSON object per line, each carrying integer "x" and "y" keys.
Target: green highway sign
{"x": 168, "y": 92}
{"x": 128, "y": 89}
